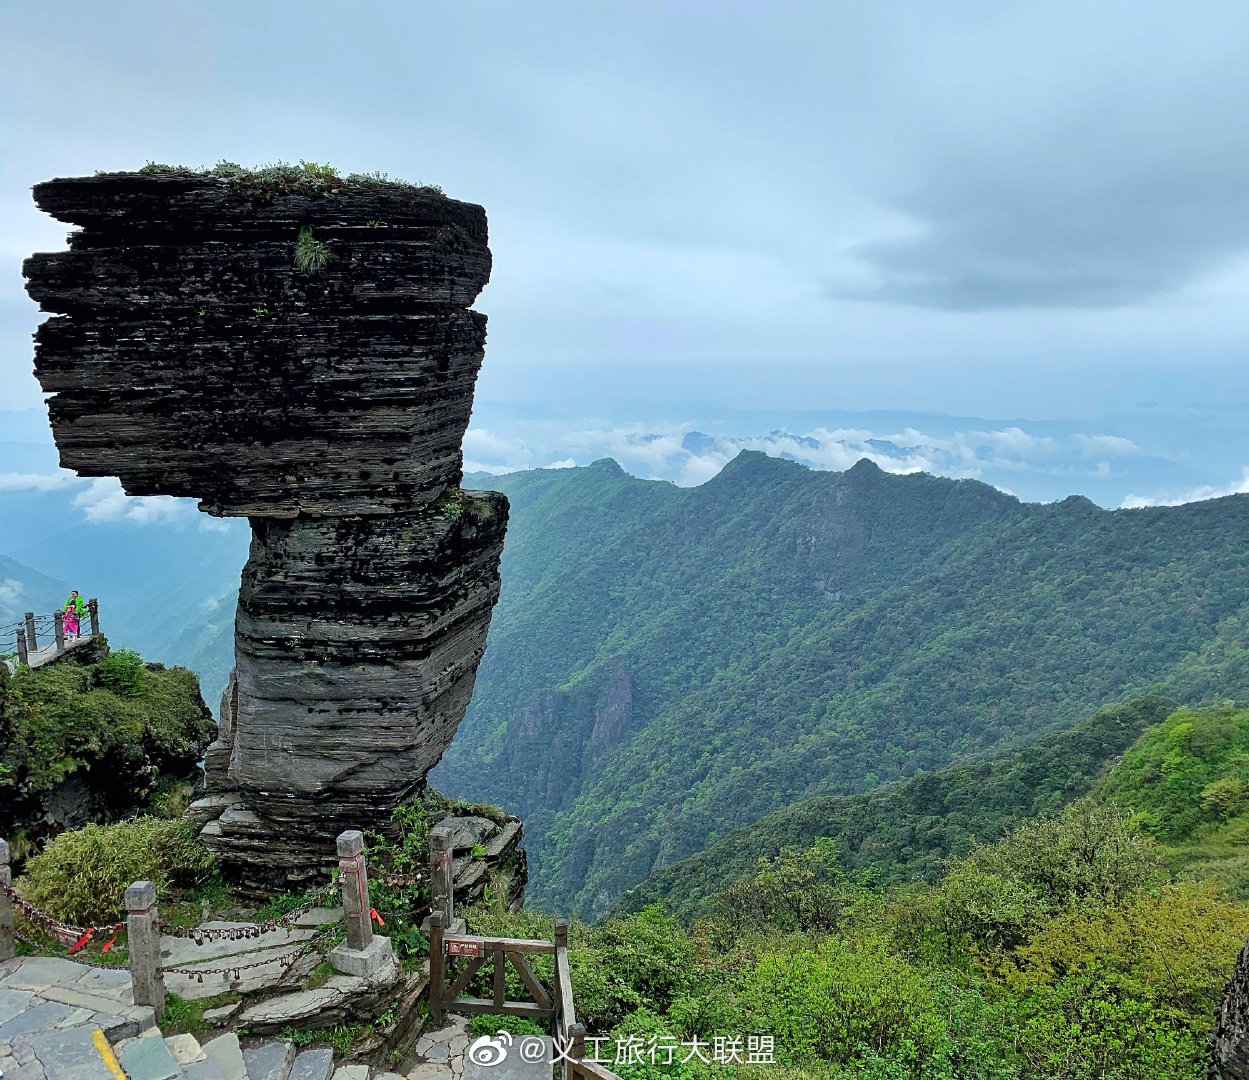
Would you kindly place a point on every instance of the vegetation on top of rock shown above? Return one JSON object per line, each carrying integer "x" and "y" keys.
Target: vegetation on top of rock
{"x": 106, "y": 720}
{"x": 306, "y": 178}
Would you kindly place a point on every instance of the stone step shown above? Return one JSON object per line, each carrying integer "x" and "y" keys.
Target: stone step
{"x": 270, "y": 1061}
{"x": 313, "y": 1065}
{"x": 224, "y": 1052}
{"x": 203, "y": 1070}
{"x": 185, "y": 1049}
{"x": 147, "y": 1058}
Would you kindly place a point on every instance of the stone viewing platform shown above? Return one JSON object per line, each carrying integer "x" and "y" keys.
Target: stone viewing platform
{"x": 299, "y": 349}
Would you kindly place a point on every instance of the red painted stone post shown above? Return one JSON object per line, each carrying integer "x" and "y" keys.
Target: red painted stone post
{"x": 363, "y": 953}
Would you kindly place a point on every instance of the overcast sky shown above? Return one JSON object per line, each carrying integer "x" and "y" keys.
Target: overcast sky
{"x": 996, "y": 209}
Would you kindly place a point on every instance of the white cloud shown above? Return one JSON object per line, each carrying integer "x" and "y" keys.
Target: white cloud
{"x": 1197, "y": 494}
{"x": 57, "y": 481}
{"x": 105, "y": 501}
{"x": 1114, "y": 445}
{"x": 682, "y": 453}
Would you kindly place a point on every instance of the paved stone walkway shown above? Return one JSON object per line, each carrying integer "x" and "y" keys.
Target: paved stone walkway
{"x": 58, "y": 1019}
{"x": 444, "y": 1054}
{"x": 64, "y": 1021}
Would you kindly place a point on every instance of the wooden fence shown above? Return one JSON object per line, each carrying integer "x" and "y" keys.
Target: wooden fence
{"x": 550, "y": 1004}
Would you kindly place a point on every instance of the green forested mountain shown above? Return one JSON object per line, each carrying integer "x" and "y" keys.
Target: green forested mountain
{"x": 1078, "y": 943}
{"x": 668, "y": 664}
{"x": 906, "y": 832}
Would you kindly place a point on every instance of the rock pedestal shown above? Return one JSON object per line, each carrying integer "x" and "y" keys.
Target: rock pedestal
{"x": 300, "y": 351}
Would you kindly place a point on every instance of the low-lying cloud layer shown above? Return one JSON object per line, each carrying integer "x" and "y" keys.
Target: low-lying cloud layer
{"x": 1036, "y": 465}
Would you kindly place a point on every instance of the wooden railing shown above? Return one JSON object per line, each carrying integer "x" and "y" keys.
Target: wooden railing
{"x": 552, "y": 1004}
{"x": 569, "y": 1034}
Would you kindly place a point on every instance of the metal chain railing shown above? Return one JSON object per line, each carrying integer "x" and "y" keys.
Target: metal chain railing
{"x": 287, "y": 960}
{"x": 201, "y": 934}
{"x": 398, "y": 881}
{"x": 36, "y": 917}
{"x": 72, "y": 958}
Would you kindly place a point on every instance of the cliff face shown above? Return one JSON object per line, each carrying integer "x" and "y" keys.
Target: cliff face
{"x": 1229, "y": 1042}
{"x": 326, "y": 401}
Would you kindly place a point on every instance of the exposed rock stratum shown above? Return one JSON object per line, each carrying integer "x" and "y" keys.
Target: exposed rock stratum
{"x": 326, "y": 402}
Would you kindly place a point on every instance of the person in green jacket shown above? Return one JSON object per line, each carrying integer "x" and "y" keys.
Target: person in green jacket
{"x": 75, "y": 609}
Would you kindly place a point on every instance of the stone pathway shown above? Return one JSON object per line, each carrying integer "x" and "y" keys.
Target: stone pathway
{"x": 65, "y": 1021}
{"x": 45, "y": 654}
{"x": 444, "y": 1054}
{"x": 59, "y": 1020}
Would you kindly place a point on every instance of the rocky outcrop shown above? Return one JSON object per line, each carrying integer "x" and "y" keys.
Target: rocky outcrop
{"x": 299, "y": 350}
{"x": 1229, "y": 1042}
{"x": 76, "y": 748}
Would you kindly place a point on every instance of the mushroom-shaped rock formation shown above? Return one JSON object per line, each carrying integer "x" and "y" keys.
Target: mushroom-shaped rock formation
{"x": 300, "y": 350}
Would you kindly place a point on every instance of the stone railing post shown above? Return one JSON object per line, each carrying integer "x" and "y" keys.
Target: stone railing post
{"x": 7, "y": 951}
{"x": 143, "y": 935}
{"x": 59, "y": 621}
{"x": 93, "y": 610}
{"x": 23, "y": 657}
{"x": 441, "y": 874}
{"x": 353, "y": 877}
{"x": 363, "y": 953}
{"x": 31, "y": 643}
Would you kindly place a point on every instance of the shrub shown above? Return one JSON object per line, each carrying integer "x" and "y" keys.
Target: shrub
{"x": 1090, "y": 851}
{"x": 1173, "y": 951}
{"x": 82, "y": 875}
{"x": 797, "y": 890}
{"x": 122, "y": 672}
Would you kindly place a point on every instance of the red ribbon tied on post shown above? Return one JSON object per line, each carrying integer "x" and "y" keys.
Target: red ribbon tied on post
{"x": 373, "y": 913}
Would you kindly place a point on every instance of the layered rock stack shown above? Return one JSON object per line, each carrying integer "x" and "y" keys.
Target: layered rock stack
{"x": 299, "y": 350}
{"x": 1229, "y": 1041}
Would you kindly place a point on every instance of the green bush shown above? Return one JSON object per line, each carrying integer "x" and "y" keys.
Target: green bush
{"x": 82, "y": 875}
{"x": 122, "y": 672}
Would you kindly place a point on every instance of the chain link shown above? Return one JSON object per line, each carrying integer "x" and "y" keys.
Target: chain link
{"x": 398, "y": 881}
{"x": 201, "y": 934}
{"x": 287, "y": 960}
{"x": 39, "y": 918}
{"x": 40, "y": 947}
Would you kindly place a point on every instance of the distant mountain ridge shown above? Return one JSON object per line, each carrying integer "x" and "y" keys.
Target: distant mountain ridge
{"x": 24, "y": 589}
{"x": 669, "y": 664}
